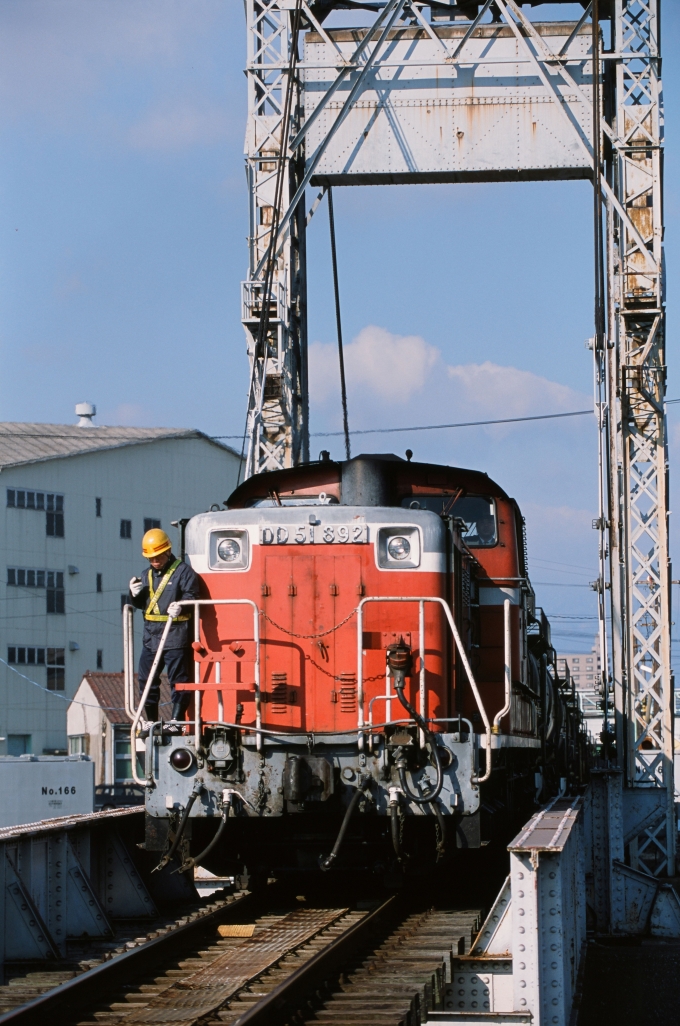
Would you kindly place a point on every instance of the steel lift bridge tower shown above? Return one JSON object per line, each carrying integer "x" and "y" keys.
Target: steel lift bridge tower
{"x": 442, "y": 91}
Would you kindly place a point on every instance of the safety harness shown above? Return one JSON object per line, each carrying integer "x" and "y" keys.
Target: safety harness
{"x": 152, "y": 611}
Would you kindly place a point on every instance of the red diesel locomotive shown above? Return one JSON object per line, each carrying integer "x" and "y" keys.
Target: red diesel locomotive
{"x": 373, "y": 680}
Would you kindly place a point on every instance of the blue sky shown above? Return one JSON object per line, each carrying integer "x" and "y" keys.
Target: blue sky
{"x": 123, "y": 220}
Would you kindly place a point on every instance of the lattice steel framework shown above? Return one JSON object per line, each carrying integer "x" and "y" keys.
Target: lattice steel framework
{"x": 640, "y": 567}
{"x": 277, "y": 431}
{"x": 368, "y": 108}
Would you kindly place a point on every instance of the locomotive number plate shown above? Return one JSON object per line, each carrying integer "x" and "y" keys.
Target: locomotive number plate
{"x": 310, "y": 534}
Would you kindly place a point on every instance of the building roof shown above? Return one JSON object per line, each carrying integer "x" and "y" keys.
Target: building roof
{"x": 108, "y": 690}
{"x": 34, "y": 443}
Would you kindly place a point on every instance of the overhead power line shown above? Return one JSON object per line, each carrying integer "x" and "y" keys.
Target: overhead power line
{"x": 437, "y": 427}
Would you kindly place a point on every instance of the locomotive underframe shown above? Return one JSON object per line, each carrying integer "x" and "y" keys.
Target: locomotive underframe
{"x": 258, "y": 843}
{"x": 293, "y": 773}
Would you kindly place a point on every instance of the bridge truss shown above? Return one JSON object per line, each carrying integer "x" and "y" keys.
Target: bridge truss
{"x": 443, "y": 91}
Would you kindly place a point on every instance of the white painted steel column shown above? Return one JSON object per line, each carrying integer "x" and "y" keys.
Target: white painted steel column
{"x": 548, "y": 912}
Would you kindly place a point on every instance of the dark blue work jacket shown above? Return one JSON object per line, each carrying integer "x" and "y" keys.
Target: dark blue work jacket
{"x": 183, "y": 584}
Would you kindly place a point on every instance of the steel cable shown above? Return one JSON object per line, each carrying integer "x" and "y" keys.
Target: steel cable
{"x": 341, "y": 355}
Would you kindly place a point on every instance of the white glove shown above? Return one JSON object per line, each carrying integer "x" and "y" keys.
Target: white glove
{"x": 135, "y": 586}
{"x": 174, "y": 609}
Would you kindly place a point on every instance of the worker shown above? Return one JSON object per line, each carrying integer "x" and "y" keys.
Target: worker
{"x": 159, "y": 593}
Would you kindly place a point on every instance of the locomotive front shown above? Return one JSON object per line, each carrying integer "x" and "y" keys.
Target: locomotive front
{"x": 336, "y": 662}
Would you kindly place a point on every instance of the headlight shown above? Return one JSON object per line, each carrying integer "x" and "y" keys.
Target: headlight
{"x": 399, "y": 547}
{"x": 229, "y": 550}
{"x": 182, "y": 759}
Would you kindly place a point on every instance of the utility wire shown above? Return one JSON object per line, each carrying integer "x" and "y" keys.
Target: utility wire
{"x": 434, "y": 427}
{"x": 439, "y": 427}
{"x": 341, "y": 356}
{"x": 65, "y": 698}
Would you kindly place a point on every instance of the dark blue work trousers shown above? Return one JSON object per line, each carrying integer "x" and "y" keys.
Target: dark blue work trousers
{"x": 177, "y": 662}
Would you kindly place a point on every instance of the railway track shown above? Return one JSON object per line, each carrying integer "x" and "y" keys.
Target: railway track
{"x": 273, "y": 958}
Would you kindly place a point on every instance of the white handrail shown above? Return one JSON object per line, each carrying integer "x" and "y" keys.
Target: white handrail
{"x": 142, "y": 702}
{"x": 197, "y": 699}
{"x": 256, "y": 637}
{"x": 461, "y": 651}
{"x": 128, "y": 660}
{"x": 508, "y": 669}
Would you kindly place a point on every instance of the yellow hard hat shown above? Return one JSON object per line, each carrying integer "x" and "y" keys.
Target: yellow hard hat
{"x": 155, "y": 542}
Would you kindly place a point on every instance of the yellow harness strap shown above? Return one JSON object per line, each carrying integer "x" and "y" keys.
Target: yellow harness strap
{"x": 152, "y": 611}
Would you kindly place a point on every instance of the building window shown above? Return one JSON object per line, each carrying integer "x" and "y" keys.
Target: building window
{"x": 100, "y": 658}
{"x": 28, "y": 656}
{"x": 22, "y": 577}
{"x": 56, "y": 672}
{"x": 126, "y": 529}
{"x": 99, "y": 583}
{"x": 78, "y": 744}
{"x": 149, "y": 524}
{"x": 55, "y": 515}
{"x": 21, "y": 499}
{"x": 55, "y": 591}
{"x": 18, "y": 744}
{"x": 122, "y": 762}
{"x": 98, "y": 507}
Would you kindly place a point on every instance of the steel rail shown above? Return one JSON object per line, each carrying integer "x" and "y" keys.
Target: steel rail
{"x": 314, "y": 972}
{"x": 71, "y": 998}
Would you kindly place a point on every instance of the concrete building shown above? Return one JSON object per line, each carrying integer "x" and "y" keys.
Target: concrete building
{"x": 585, "y": 669}
{"x": 98, "y": 725}
{"x": 77, "y": 500}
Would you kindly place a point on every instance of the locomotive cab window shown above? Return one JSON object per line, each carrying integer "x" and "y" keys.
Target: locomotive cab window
{"x": 477, "y": 511}
{"x": 322, "y": 499}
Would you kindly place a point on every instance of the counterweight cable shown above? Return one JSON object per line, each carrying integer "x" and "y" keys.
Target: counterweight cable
{"x": 341, "y": 356}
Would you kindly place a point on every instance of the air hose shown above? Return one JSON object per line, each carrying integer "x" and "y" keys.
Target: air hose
{"x": 399, "y": 662}
{"x": 328, "y": 862}
{"x": 196, "y": 861}
{"x": 441, "y": 823}
{"x": 395, "y": 822}
{"x": 198, "y": 787}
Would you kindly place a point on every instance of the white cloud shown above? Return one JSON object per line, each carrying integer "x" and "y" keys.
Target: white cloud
{"x": 492, "y": 388}
{"x": 384, "y": 369}
{"x": 391, "y": 366}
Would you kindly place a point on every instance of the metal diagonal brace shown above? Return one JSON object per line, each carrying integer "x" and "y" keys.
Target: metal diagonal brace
{"x": 321, "y": 149}
{"x": 606, "y": 188}
{"x": 472, "y": 28}
{"x": 351, "y": 65}
{"x": 550, "y": 57}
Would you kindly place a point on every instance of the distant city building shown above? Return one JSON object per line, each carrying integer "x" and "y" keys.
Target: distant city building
{"x": 585, "y": 670}
{"x": 77, "y": 500}
{"x": 98, "y": 725}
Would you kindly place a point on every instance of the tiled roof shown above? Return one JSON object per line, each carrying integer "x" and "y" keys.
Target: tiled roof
{"x": 108, "y": 690}
{"x": 32, "y": 443}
